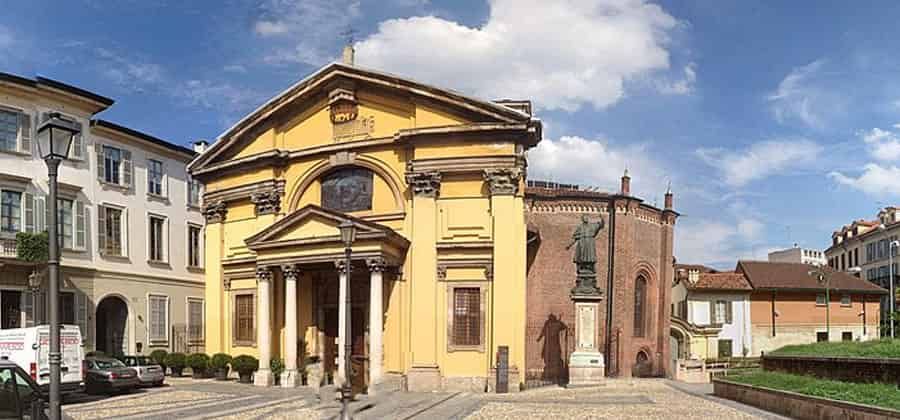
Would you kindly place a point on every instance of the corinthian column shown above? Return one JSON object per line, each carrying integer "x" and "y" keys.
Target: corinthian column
{"x": 290, "y": 378}
{"x": 263, "y": 376}
{"x": 376, "y": 329}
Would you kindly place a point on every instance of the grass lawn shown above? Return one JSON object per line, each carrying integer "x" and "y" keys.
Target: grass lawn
{"x": 874, "y": 348}
{"x": 880, "y": 395}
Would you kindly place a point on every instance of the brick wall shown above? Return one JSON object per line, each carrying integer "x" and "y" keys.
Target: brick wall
{"x": 839, "y": 368}
{"x": 643, "y": 245}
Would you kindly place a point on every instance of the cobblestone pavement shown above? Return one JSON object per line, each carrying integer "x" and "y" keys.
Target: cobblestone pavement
{"x": 618, "y": 399}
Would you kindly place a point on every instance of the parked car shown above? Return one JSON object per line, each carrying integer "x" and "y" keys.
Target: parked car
{"x": 20, "y": 396}
{"x": 149, "y": 372}
{"x": 30, "y": 347}
{"x": 108, "y": 375}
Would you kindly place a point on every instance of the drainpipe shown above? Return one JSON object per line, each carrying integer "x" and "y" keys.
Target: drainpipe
{"x": 609, "y": 283}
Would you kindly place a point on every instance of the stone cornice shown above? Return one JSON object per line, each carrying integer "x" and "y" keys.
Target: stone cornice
{"x": 245, "y": 191}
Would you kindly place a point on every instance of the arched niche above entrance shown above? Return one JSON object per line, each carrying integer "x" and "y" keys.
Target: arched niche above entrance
{"x": 325, "y": 183}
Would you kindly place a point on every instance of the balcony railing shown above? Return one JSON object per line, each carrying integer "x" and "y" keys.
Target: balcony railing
{"x": 7, "y": 248}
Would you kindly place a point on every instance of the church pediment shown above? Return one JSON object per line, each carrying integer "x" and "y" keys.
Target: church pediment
{"x": 314, "y": 225}
{"x": 342, "y": 103}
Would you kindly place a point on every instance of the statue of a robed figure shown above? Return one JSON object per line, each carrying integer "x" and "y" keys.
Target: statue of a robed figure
{"x": 585, "y": 257}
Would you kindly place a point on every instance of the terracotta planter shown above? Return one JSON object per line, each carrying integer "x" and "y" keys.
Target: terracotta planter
{"x": 222, "y": 373}
{"x": 245, "y": 377}
{"x": 198, "y": 374}
{"x": 176, "y": 372}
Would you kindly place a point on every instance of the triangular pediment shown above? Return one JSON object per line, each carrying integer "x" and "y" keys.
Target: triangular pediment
{"x": 308, "y": 94}
{"x": 316, "y": 225}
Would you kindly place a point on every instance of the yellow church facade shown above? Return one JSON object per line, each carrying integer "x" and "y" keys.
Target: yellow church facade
{"x": 433, "y": 182}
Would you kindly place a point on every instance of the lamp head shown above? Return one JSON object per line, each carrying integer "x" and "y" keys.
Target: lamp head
{"x": 55, "y": 136}
{"x": 348, "y": 232}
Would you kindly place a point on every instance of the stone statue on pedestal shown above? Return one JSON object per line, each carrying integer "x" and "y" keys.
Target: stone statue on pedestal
{"x": 585, "y": 257}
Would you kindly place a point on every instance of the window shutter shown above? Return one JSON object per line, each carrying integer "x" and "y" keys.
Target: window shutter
{"x": 77, "y": 151}
{"x": 164, "y": 181}
{"x": 40, "y": 215}
{"x": 101, "y": 162}
{"x": 127, "y": 168}
{"x": 80, "y": 228}
{"x": 123, "y": 232}
{"x": 101, "y": 229}
{"x": 712, "y": 313}
{"x": 28, "y": 308}
{"x": 25, "y": 133}
{"x": 29, "y": 212}
{"x": 728, "y": 312}
{"x": 81, "y": 313}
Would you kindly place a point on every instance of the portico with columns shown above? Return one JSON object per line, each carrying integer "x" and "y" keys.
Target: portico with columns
{"x": 434, "y": 184}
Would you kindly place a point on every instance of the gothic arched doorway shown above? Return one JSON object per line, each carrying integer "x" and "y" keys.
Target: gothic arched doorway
{"x": 112, "y": 326}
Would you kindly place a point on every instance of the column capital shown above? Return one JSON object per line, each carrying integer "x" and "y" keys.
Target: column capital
{"x": 425, "y": 184}
{"x": 503, "y": 181}
{"x": 266, "y": 202}
{"x": 341, "y": 266}
{"x": 489, "y": 272}
{"x": 226, "y": 284}
{"x": 215, "y": 212}
{"x": 376, "y": 265}
{"x": 441, "y": 272}
{"x": 290, "y": 271}
{"x": 263, "y": 273}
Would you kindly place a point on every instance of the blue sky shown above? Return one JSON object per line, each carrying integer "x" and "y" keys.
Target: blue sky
{"x": 776, "y": 122}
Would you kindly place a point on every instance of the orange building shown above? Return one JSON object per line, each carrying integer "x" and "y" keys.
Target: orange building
{"x": 788, "y": 305}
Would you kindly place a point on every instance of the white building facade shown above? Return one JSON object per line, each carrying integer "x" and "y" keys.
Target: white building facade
{"x": 799, "y": 255}
{"x": 130, "y": 224}
{"x": 720, "y": 301}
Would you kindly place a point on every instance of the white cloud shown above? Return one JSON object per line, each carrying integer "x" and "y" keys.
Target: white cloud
{"x": 596, "y": 163}
{"x": 719, "y": 243}
{"x": 128, "y": 71}
{"x": 682, "y": 86}
{"x": 884, "y": 145}
{"x": 807, "y": 95}
{"x": 875, "y": 179}
{"x": 760, "y": 160}
{"x": 304, "y": 31}
{"x": 561, "y": 54}
{"x": 235, "y": 68}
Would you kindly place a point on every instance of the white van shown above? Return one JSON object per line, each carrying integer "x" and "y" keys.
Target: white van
{"x": 30, "y": 348}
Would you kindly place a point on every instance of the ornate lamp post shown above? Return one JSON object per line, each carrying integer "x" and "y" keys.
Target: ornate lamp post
{"x": 824, "y": 279}
{"x": 348, "y": 235}
{"x": 54, "y": 140}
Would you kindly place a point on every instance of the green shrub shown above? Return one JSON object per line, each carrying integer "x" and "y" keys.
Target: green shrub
{"x": 198, "y": 361}
{"x": 220, "y": 360}
{"x": 32, "y": 247}
{"x": 245, "y": 364}
{"x": 277, "y": 366}
{"x": 176, "y": 360}
{"x": 159, "y": 356}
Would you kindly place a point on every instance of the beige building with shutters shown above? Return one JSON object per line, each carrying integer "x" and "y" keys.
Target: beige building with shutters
{"x": 130, "y": 225}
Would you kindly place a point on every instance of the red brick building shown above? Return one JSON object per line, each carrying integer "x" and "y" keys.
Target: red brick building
{"x": 642, "y": 273}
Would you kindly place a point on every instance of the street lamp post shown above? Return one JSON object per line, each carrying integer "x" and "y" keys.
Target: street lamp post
{"x": 348, "y": 235}
{"x": 824, "y": 278}
{"x": 893, "y": 297}
{"x": 54, "y": 140}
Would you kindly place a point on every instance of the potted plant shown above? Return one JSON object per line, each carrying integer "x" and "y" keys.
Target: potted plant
{"x": 159, "y": 356}
{"x": 245, "y": 365}
{"x": 219, "y": 364}
{"x": 199, "y": 363}
{"x": 277, "y": 367}
{"x": 176, "y": 363}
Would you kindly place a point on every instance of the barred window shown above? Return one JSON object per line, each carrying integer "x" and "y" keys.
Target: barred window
{"x": 195, "y": 320}
{"x": 466, "y": 316}
{"x": 159, "y": 318}
{"x": 244, "y": 313}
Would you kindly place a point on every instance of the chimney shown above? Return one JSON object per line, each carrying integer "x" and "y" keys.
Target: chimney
{"x": 200, "y": 146}
{"x": 669, "y": 198}
{"x": 348, "y": 56}
{"x": 626, "y": 184}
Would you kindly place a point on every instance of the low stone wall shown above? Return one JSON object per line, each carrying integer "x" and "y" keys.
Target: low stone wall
{"x": 799, "y": 406}
{"x": 848, "y": 369}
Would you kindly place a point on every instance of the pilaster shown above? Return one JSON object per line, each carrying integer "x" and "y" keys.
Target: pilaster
{"x": 214, "y": 292}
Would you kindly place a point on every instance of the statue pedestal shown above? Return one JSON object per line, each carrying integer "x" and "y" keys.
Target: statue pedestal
{"x": 586, "y": 367}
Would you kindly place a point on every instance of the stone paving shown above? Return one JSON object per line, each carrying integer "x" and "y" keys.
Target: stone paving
{"x": 619, "y": 399}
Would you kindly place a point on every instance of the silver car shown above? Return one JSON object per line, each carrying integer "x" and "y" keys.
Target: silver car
{"x": 149, "y": 372}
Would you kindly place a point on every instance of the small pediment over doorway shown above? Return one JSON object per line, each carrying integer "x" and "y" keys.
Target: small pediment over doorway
{"x": 312, "y": 234}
